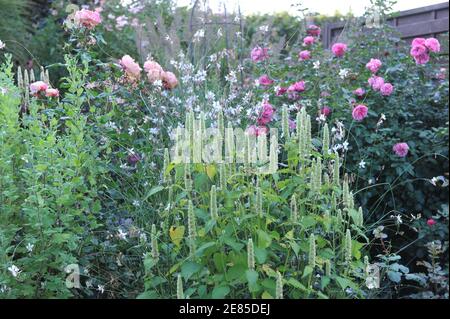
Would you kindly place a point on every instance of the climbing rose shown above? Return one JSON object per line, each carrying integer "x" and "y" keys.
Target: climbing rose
{"x": 170, "y": 80}
{"x": 131, "y": 68}
{"x": 359, "y": 112}
{"x": 257, "y": 130}
{"x": 281, "y": 91}
{"x": 313, "y": 30}
{"x": 259, "y": 54}
{"x": 297, "y": 87}
{"x": 373, "y": 65}
{"x": 359, "y": 92}
{"x": 37, "y": 87}
{"x": 376, "y": 82}
{"x": 401, "y": 149}
{"x": 88, "y": 19}
{"x": 309, "y": 40}
{"x": 431, "y": 222}
{"x": 265, "y": 80}
{"x": 152, "y": 65}
{"x": 52, "y": 93}
{"x": 433, "y": 45}
{"x": 266, "y": 115}
{"x": 326, "y": 110}
{"x": 304, "y": 55}
{"x": 386, "y": 89}
{"x": 339, "y": 49}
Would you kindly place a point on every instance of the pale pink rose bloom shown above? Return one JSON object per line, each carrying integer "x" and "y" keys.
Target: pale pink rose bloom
{"x": 401, "y": 149}
{"x": 87, "y": 18}
{"x": 373, "y": 65}
{"x": 386, "y": 89}
{"x": 259, "y": 54}
{"x": 313, "y": 30}
{"x": 339, "y": 49}
{"x": 170, "y": 80}
{"x": 265, "y": 80}
{"x": 359, "y": 92}
{"x": 52, "y": 93}
{"x": 422, "y": 59}
{"x": 131, "y": 68}
{"x": 152, "y": 65}
{"x": 309, "y": 40}
{"x": 37, "y": 87}
{"x": 326, "y": 110}
{"x": 304, "y": 55}
{"x": 418, "y": 41}
{"x": 359, "y": 112}
{"x": 254, "y": 130}
{"x": 417, "y": 50}
{"x": 267, "y": 113}
{"x": 433, "y": 45}
{"x": 376, "y": 82}
{"x": 297, "y": 87}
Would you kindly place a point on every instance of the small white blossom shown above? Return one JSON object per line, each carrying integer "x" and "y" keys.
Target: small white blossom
{"x": 121, "y": 234}
{"x": 343, "y": 73}
{"x": 101, "y": 288}
{"x": 14, "y": 270}
{"x": 29, "y": 247}
{"x": 2, "y": 45}
{"x": 362, "y": 164}
{"x": 316, "y": 65}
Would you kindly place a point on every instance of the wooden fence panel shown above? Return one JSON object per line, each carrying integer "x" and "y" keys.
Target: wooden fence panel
{"x": 429, "y": 21}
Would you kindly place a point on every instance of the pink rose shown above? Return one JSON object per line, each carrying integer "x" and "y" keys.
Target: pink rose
{"x": 37, "y": 87}
{"x": 265, "y": 80}
{"x": 88, "y": 19}
{"x": 431, "y": 222}
{"x": 433, "y": 45}
{"x": 170, "y": 81}
{"x": 131, "y": 68}
{"x": 304, "y": 55}
{"x": 373, "y": 65}
{"x": 422, "y": 58}
{"x": 359, "y": 92}
{"x": 339, "y": 49}
{"x": 386, "y": 89}
{"x": 281, "y": 91}
{"x": 152, "y": 65}
{"x": 313, "y": 30}
{"x": 359, "y": 112}
{"x": 266, "y": 115}
{"x": 401, "y": 149}
{"x": 376, "y": 82}
{"x": 297, "y": 87}
{"x": 417, "y": 50}
{"x": 309, "y": 40}
{"x": 52, "y": 93}
{"x": 259, "y": 54}
{"x": 257, "y": 130}
{"x": 325, "y": 110}
{"x": 418, "y": 41}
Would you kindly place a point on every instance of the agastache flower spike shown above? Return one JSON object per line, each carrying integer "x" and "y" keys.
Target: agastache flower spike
{"x": 285, "y": 122}
{"x": 336, "y": 177}
{"x": 312, "y": 251}
{"x": 279, "y": 286}
{"x": 327, "y": 268}
{"x": 213, "y": 203}
{"x": 273, "y": 165}
{"x": 348, "y": 246}
{"x": 223, "y": 176}
{"x": 262, "y": 148}
{"x": 19, "y": 77}
{"x": 180, "y": 293}
{"x": 325, "y": 140}
{"x": 154, "y": 243}
{"x": 250, "y": 255}
{"x": 192, "y": 230}
{"x": 259, "y": 202}
{"x": 187, "y": 177}
{"x": 294, "y": 209}
{"x": 166, "y": 165}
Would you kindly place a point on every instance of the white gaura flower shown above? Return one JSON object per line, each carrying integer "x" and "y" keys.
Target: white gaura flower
{"x": 398, "y": 219}
{"x": 345, "y": 145}
{"x": 3, "y": 91}
{"x": 316, "y": 65}
{"x": 434, "y": 181}
{"x": 2, "y": 45}
{"x": 378, "y": 232}
{"x": 343, "y": 73}
{"x": 14, "y": 270}
{"x": 362, "y": 164}
{"x": 29, "y": 247}
{"x": 121, "y": 234}
{"x": 101, "y": 288}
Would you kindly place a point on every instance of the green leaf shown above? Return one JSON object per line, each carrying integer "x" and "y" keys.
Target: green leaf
{"x": 189, "y": 268}
{"x": 264, "y": 239}
{"x": 220, "y": 292}
{"x": 307, "y": 271}
{"x": 252, "y": 278}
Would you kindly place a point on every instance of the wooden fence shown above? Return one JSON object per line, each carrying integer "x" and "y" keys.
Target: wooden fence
{"x": 429, "y": 21}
